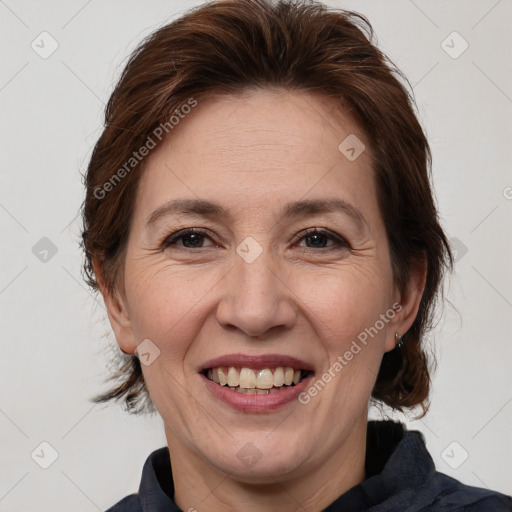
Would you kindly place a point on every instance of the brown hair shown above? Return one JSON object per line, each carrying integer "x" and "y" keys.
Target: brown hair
{"x": 231, "y": 45}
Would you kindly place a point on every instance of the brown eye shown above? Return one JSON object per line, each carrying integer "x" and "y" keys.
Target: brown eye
{"x": 190, "y": 238}
{"x": 319, "y": 238}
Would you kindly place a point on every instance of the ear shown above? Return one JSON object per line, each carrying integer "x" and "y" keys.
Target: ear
{"x": 118, "y": 314}
{"x": 409, "y": 301}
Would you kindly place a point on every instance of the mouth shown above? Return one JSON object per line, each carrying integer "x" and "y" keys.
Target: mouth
{"x": 251, "y": 381}
{"x": 259, "y": 384}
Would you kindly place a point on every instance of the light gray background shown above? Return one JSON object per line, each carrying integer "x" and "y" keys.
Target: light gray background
{"x": 53, "y": 352}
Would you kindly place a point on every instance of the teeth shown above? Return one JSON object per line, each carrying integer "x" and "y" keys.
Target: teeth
{"x": 233, "y": 377}
{"x": 278, "y": 377}
{"x": 247, "y": 378}
{"x": 249, "y": 381}
{"x": 288, "y": 376}
{"x": 221, "y": 376}
{"x": 265, "y": 379}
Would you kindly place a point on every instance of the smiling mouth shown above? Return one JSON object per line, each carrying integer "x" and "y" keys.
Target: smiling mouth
{"x": 256, "y": 382}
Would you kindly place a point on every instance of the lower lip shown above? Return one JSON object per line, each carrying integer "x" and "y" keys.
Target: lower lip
{"x": 256, "y": 403}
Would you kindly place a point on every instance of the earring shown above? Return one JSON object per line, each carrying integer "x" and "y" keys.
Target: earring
{"x": 399, "y": 340}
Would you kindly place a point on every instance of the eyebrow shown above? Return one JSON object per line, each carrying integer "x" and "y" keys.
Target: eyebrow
{"x": 291, "y": 210}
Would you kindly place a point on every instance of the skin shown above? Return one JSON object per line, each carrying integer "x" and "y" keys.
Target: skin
{"x": 253, "y": 153}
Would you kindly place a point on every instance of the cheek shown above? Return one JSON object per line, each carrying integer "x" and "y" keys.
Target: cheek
{"x": 166, "y": 308}
{"x": 345, "y": 310}
{"x": 165, "y": 304}
{"x": 345, "y": 301}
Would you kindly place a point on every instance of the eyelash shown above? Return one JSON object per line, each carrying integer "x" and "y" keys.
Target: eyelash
{"x": 339, "y": 241}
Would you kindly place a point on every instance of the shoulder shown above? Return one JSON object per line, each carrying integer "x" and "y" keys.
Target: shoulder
{"x": 417, "y": 486}
{"x": 130, "y": 503}
{"x": 455, "y": 496}
{"x": 155, "y": 489}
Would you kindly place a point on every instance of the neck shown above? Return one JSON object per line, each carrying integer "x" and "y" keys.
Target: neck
{"x": 200, "y": 486}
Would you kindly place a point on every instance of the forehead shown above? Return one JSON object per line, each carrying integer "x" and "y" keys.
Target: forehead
{"x": 290, "y": 125}
{"x": 256, "y": 146}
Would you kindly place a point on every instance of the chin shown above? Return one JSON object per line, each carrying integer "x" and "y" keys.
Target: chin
{"x": 260, "y": 462}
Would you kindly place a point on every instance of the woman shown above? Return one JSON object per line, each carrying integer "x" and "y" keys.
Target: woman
{"x": 260, "y": 223}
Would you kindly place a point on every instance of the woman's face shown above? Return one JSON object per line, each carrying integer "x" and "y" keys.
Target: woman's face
{"x": 289, "y": 268}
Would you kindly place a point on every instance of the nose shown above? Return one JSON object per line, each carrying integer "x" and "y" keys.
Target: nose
{"x": 256, "y": 298}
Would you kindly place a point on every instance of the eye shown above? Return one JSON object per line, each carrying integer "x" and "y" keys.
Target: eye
{"x": 191, "y": 238}
{"x": 319, "y": 237}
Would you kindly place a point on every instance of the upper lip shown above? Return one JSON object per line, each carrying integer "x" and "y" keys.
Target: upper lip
{"x": 257, "y": 362}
